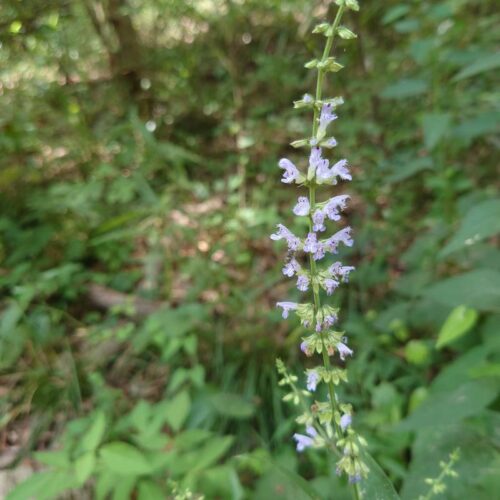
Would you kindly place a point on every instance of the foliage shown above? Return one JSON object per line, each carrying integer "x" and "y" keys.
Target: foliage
{"x": 139, "y": 141}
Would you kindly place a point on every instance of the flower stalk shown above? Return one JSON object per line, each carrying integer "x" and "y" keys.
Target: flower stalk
{"x": 317, "y": 317}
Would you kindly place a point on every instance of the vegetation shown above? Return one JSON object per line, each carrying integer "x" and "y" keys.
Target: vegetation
{"x": 139, "y": 185}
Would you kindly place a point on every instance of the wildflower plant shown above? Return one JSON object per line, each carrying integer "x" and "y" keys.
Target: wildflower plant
{"x": 327, "y": 423}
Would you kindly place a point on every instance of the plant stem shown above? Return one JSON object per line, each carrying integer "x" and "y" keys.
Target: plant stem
{"x": 312, "y": 201}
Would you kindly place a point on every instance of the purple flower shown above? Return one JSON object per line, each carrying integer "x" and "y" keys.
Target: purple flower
{"x": 337, "y": 269}
{"x": 344, "y": 236}
{"x": 345, "y": 421}
{"x": 287, "y": 307}
{"x": 344, "y": 351}
{"x": 284, "y": 233}
{"x": 292, "y": 267}
{"x": 302, "y": 207}
{"x": 312, "y": 245}
{"x": 331, "y": 285}
{"x": 356, "y": 478}
{"x": 329, "y": 320}
{"x": 326, "y": 117}
{"x": 303, "y": 347}
{"x": 291, "y": 172}
{"x": 334, "y": 205}
{"x": 312, "y": 380}
{"x": 303, "y": 441}
{"x": 331, "y": 142}
{"x": 308, "y": 98}
{"x": 318, "y": 220}
{"x": 317, "y": 164}
{"x": 303, "y": 283}
{"x": 340, "y": 170}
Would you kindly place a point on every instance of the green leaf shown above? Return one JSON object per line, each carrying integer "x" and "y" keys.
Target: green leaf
{"x": 407, "y": 169}
{"x": 177, "y": 410}
{"x": 435, "y": 127}
{"x": 377, "y": 486}
{"x": 486, "y": 63}
{"x": 232, "y": 405}
{"x": 404, "y": 88}
{"x": 447, "y": 407}
{"x": 93, "y": 437}
{"x": 395, "y": 13}
{"x": 479, "y": 289}
{"x": 84, "y": 466}
{"x": 458, "y": 323}
{"x": 481, "y": 221}
{"x": 124, "y": 459}
{"x": 149, "y": 490}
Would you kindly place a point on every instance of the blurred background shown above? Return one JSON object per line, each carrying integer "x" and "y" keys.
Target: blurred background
{"x": 139, "y": 183}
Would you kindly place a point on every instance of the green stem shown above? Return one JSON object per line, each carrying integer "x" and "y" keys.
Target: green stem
{"x": 312, "y": 201}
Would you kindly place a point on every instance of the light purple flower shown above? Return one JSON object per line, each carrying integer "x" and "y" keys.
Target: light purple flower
{"x": 303, "y": 441}
{"x": 331, "y": 142}
{"x": 311, "y": 243}
{"x": 344, "y": 351}
{"x": 329, "y": 320}
{"x": 308, "y": 98}
{"x": 302, "y": 207}
{"x": 284, "y": 233}
{"x": 331, "y": 285}
{"x": 337, "y": 269}
{"x": 303, "y": 347}
{"x": 312, "y": 380}
{"x": 287, "y": 307}
{"x": 356, "y": 478}
{"x": 326, "y": 117}
{"x": 345, "y": 421}
{"x": 292, "y": 267}
{"x": 303, "y": 283}
{"x": 340, "y": 170}
{"x": 342, "y": 236}
{"x": 335, "y": 204}
{"x": 318, "y": 220}
{"x": 317, "y": 163}
{"x": 291, "y": 172}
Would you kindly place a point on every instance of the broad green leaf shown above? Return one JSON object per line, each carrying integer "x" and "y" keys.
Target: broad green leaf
{"x": 479, "y": 289}
{"x": 395, "y": 13}
{"x": 84, "y": 466}
{"x": 404, "y": 88}
{"x": 446, "y": 407}
{"x": 486, "y": 63}
{"x": 458, "y": 323}
{"x": 124, "y": 459}
{"x": 477, "y": 467}
{"x": 232, "y": 405}
{"x": 481, "y": 221}
{"x": 410, "y": 168}
{"x": 43, "y": 486}
{"x": 435, "y": 126}
{"x": 377, "y": 486}
{"x": 58, "y": 459}
{"x": 149, "y": 490}
{"x": 93, "y": 437}
{"x": 177, "y": 410}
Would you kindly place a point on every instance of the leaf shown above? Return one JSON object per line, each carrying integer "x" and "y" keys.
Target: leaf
{"x": 93, "y": 437}
{"x": 409, "y": 168}
{"x": 479, "y": 289}
{"x": 232, "y": 405}
{"x": 447, "y": 407}
{"x": 486, "y": 63}
{"x": 177, "y": 410}
{"x": 481, "y": 221}
{"x": 404, "y": 88}
{"x": 458, "y": 323}
{"x": 149, "y": 490}
{"x": 377, "y": 486}
{"x": 124, "y": 459}
{"x": 395, "y": 13}
{"x": 84, "y": 466}
{"x": 435, "y": 127}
